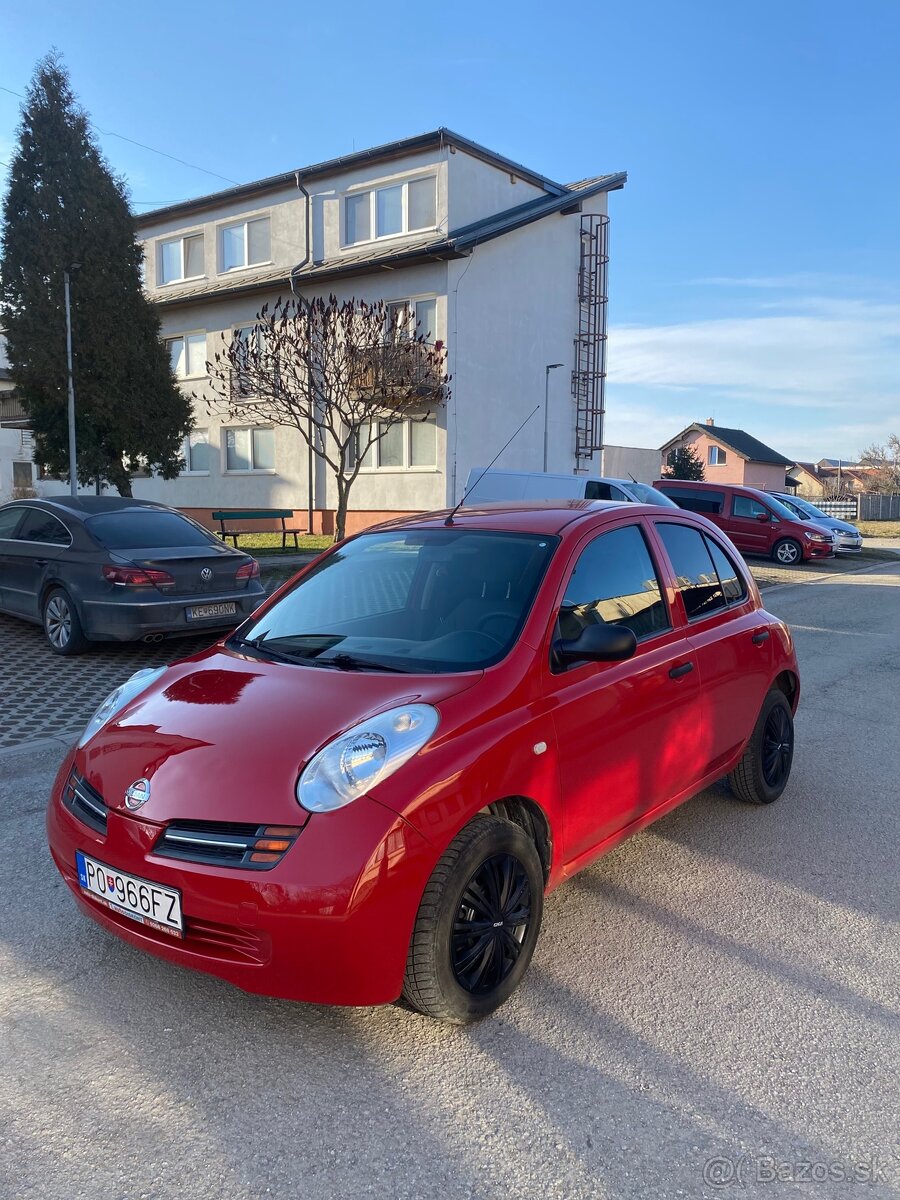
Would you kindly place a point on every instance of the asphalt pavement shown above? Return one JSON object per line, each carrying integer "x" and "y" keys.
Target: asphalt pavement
{"x": 712, "y": 1009}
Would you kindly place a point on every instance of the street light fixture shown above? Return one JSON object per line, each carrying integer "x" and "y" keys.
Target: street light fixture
{"x": 73, "y": 473}
{"x": 549, "y": 367}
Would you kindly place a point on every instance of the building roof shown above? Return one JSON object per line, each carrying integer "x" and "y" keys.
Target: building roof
{"x": 398, "y": 149}
{"x": 375, "y": 257}
{"x": 737, "y": 440}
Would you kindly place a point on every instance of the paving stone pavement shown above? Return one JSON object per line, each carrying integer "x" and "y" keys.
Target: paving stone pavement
{"x": 43, "y": 695}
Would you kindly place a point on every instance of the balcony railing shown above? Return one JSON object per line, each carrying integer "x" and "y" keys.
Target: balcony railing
{"x": 11, "y": 411}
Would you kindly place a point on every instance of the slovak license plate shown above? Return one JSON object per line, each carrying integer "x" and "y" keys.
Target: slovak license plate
{"x": 197, "y": 612}
{"x": 145, "y": 902}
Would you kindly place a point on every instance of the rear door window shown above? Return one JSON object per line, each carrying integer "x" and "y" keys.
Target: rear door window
{"x": 730, "y": 577}
{"x": 598, "y": 489}
{"x": 695, "y": 574}
{"x": 697, "y": 499}
{"x": 614, "y": 582}
{"x": 41, "y": 526}
{"x": 147, "y": 529}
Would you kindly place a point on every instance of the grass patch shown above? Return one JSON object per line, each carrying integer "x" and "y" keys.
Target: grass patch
{"x": 876, "y": 529}
{"x": 270, "y": 543}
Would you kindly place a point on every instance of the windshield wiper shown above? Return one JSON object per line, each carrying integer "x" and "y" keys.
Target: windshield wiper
{"x": 350, "y": 662}
{"x": 262, "y": 646}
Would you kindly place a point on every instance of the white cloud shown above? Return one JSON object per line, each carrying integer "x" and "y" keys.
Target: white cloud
{"x": 817, "y": 376}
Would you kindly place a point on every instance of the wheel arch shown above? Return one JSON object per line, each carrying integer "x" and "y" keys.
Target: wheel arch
{"x": 788, "y": 683}
{"x": 531, "y": 818}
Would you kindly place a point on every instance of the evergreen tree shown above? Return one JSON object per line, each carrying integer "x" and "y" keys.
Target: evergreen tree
{"x": 685, "y": 463}
{"x": 65, "y": 207}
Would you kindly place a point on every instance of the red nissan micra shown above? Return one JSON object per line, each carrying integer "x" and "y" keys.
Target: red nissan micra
{"x": 367, "y": 790}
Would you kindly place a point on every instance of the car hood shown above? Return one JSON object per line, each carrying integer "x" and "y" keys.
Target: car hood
{"x": 223, "y": 736}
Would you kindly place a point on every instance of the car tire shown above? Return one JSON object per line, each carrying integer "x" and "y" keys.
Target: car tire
{"x": 787, "y": 552}
{"x": 464, "y": 962}
{"x": 763, "y": 772}
{"x": 62, "y": 624}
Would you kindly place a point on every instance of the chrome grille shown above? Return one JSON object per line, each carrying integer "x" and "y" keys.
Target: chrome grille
{"x": 223, "y": 844}
{"x": 85, "y": 803}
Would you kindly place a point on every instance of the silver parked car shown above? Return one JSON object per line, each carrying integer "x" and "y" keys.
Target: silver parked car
{"x": 847, "y": 538}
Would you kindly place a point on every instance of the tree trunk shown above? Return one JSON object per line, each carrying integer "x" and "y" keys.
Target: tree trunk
{"x": 121, "y": 481}
{"x": 340, "y": 516}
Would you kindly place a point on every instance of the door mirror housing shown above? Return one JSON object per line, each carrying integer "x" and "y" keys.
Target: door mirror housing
{"x": 596, "y": 643}
{"x": 765, "y": 518}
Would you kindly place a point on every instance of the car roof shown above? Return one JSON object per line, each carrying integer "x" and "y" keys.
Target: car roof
{"x": 82, "y": 507}
{"x": 537, "y": 516}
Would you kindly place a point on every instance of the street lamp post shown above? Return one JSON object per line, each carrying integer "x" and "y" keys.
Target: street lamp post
{"x": 73, "y": 473}
{"x": 549, "y": 367}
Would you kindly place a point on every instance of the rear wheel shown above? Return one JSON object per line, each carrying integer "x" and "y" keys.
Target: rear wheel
{"x": 477, "y": 924}
{"x": 762, "y": 774}
{"x": 787, "y": 552}
{"x": 62, "y": 625}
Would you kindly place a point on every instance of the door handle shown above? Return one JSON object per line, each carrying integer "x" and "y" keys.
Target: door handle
{"x": 41, "y": 562}
{"x": 759, "y": 638}
{"x": 681, "y": 669}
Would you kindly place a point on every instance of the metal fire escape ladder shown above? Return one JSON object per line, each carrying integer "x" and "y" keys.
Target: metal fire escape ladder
{"x": 589, "y": 375}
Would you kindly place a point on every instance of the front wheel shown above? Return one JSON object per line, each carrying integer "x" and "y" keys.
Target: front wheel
{"x": 477, "y": 924}
{"x": 787, "y": 552}
{"x": 762, "y": 774}
{"x": 62, "y": 625}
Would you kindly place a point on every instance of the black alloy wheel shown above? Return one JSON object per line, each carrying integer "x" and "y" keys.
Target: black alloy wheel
{"x": 477, "y": 924}
{"x": 491, "y": 924}
{"x": 777, "y": 747}
{"x": 762, "y": 774}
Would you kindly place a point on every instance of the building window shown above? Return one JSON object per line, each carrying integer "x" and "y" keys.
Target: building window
{"x": 196, "y": 452}
{"x": 22, "y": 475}
{"x": 404, "y": 445}
{"x": 412, "y": 318}
{"x": 388, "y": 211}
{"x": 251, "y": 449}
{"x": 716, "y": 456}
{"x": 187, "y": 354}
{"x": 181, "y": 258}
{"x": 245, "y": 244}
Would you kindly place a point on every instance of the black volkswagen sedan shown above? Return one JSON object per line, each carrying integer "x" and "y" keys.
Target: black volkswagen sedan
{"x": 103, "y": 568}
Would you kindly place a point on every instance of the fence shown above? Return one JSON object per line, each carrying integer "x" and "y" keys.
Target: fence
{"x": 879, "y": 508}
{"x": 844, "y": 510}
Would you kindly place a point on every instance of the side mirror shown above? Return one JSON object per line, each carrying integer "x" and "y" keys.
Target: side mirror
{"x": 597, "y": 643}
{"x": 763, "y": 517}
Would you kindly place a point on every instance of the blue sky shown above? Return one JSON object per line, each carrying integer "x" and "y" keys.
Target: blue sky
{"x": 755, "y": 273}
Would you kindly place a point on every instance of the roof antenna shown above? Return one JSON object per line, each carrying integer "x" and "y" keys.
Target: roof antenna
{"x": 452, "y": 514}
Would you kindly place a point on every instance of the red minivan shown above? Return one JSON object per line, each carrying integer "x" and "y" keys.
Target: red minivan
{"x": 756, "y": 522}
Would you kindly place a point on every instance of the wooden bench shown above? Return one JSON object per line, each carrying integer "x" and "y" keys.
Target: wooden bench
{"x": 255, "y": 514}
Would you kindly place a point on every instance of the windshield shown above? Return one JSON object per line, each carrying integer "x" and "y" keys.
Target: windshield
{"x": 781, "y": 509}
{"x": 649, "y": 495}
{"x": 809, "y": 510}
{"x": 440, "y": 600}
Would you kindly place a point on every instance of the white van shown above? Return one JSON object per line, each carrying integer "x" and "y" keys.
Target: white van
{"x": 487, "y": 486}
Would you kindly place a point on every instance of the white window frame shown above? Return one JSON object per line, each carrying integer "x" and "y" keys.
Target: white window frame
{"x": 244, "y": 222}
{"x": 412, "y": 303}
{"x": 251, "y": 470}
{"x": 716, "y": 457}
{"x": 406, "y": 424}
{"x": 186, "y": 452}
{"x": 181, "y": 337}
{"x": 372, "y": 193}
{"x": 182, "y": 237}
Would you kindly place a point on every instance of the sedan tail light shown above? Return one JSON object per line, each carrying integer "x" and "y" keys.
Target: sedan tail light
{"x": 249, "y": 570}
{"x": 137, "y": 577}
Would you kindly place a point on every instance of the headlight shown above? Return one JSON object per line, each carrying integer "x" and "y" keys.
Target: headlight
{"x": 117, "y": 700}
{"x": 356, "y": 761}
{"x": 819, "y": 537}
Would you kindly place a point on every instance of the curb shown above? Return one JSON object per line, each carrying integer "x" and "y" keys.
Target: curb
{"x": 60, "y": 741}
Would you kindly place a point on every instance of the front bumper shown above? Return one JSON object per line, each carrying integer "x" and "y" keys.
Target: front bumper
{"x": 129, "y": 617}
{"x": 818, "y": 550}
{"x": 848, "y": 544}
{"x": 329, "y": 924}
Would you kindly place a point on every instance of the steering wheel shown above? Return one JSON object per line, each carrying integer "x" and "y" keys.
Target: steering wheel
{"x": 498, "y": 615}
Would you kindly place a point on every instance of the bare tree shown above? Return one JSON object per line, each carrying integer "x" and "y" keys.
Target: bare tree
{"x": 341, "y": 373}
{"x": 886, "y": 460}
